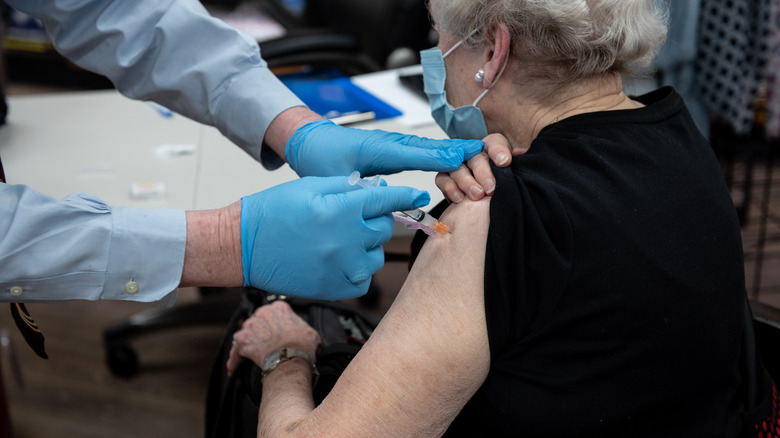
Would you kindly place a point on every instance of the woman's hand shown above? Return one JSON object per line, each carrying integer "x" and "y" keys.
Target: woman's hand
{"x": 475, "y": 179}
{"x": 272, "y": 327}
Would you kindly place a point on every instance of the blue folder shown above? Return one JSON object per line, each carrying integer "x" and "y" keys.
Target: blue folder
{"x": 336, "y": 96}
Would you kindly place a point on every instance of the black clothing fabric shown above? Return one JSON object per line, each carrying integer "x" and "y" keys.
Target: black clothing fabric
{"x": 614, "y": 284}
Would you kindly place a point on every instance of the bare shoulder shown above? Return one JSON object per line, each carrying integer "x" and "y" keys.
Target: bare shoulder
{"x": 459, "y": 255}
{"x": 448, "y": 279}
{"x": 430, "y": 353}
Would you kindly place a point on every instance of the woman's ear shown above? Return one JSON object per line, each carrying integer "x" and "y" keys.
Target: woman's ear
{"x": 498, "y": 50}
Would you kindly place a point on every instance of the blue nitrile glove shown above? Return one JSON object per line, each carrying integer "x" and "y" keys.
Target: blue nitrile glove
{"x": 319, "y": 237}
{"x": 323, "y": 148}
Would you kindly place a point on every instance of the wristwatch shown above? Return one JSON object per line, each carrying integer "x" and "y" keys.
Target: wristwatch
{"x": 283, "y": 355}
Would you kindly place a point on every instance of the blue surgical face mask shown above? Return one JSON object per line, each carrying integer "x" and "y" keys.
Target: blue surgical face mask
{"x": 464, "y": 122}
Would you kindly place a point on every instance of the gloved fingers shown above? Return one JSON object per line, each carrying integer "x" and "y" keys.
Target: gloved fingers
{"x": 376, "y": 259}
{"x": 357, "y": 270}
{"x": 354, "y": 290}
{"x": 378, "y": 231}
{"x": 469, "y": 147}
{"x": 390, "y": 158}
{"x": 324, "y": 148}
{"x": 361, "y": 272}
{"x": 378, "y": 201}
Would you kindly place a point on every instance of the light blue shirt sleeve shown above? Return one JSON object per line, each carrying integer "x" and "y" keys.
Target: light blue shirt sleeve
{"x": 79, "y": 248}
{"x": 172, "y": 52}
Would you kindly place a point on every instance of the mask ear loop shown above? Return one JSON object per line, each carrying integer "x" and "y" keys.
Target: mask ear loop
{"x": 452, "y": 48}
{"x": 459, "y": 43}
{"x": 498, "y": 76}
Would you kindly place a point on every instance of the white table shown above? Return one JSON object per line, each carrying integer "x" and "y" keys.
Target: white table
{"x": 102, "y": 143}
{"x": 97, "y": 142}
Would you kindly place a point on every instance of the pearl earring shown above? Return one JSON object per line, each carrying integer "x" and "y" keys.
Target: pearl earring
{"x": 479, "y": 76}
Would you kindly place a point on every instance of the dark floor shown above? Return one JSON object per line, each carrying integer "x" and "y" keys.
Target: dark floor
{"x": 73, "y": 394}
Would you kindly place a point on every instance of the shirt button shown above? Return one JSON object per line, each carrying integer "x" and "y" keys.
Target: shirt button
{"x": 16, "y": 291}
{"x": 131, "y": 287}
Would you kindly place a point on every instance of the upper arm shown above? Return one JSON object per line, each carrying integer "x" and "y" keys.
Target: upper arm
{"x": 430, "y": 352}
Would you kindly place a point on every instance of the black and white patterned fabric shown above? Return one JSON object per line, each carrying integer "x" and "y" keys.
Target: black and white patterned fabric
{"x": 773, "y": 73}
{"x": 732, "y": 59}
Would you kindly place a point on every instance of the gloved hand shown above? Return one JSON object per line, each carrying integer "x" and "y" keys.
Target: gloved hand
{"x": 323, "y": 148}
{"x": 319, "y": 237}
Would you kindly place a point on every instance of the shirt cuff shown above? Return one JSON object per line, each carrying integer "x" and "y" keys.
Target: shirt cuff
{"x": 146, "y": 255}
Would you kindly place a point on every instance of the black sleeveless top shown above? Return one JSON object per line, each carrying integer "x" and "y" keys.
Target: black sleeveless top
{"x": 614, "y": 284}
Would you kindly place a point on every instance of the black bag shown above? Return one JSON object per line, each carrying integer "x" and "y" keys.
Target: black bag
{"x": 232, "y": 403}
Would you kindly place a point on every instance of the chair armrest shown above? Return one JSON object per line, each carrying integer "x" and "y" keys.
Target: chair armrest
{"x": 318, "y": 48}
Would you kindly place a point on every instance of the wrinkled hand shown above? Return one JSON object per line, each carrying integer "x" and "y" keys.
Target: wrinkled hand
{"x": 272, "y": 326}
{"x": 319, "y": 237}
{"x": 475, "y": 179}
{"x": 323, "y": 148}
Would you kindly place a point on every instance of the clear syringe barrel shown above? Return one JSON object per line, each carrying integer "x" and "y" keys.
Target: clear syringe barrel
{"x": 422, "y": 217}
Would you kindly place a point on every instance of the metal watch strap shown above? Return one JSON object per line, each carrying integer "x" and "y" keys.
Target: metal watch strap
{"x": 277, "y": 357}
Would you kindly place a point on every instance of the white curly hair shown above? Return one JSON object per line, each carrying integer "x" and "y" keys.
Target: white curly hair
{"x": 565, "y": 40}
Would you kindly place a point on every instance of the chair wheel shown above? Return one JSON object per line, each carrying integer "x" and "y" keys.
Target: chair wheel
{"x": 122, "y": 360}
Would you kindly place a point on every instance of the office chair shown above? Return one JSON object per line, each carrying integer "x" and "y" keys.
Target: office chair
{"x": 353, "y": 36}
{"x": 766, "y": 323}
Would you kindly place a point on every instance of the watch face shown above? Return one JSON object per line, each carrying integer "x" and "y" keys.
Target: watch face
{"x": 272, "y": 361}
{"x": 282, "y": 355}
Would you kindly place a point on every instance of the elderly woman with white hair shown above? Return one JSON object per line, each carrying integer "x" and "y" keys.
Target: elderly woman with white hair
{"x": 599, "y": 290}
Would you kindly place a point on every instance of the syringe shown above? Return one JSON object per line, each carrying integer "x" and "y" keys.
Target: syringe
{"x": 410, "y": 218}
{"x": 425, "y": 220}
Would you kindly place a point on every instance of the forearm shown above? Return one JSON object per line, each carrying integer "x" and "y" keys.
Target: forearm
{"x": 287, "y": 399}
{"x": 212, "y": 255}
